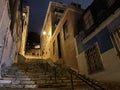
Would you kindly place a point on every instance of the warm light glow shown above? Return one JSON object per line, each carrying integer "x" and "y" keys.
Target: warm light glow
{"x": 44, "y": 33}
{"x": 37, "y": 46}
{"x": 50, "y": 33}
{"x": 23, "y": 14}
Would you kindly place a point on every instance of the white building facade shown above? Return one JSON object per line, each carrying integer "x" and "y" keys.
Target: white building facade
{"x": 6, "y": 58}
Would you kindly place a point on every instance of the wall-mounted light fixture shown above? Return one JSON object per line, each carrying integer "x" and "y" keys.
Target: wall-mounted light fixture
{"x": 23, "y": 14}
{"x": 44, "y": 33}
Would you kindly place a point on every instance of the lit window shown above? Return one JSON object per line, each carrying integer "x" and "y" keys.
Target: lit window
{"x": 88, "y": 19}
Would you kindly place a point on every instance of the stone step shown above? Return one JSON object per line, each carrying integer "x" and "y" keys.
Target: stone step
{"x": 38, "y": 76}
{"x": 37, "y": 73}
{"x": 8, "y": 78}
{"x": 5, "y": 81}
{"x": 15, "y": 73}
{"x": 18, "y": 78}
{"x": 15, "y": 76}
{"x": 31, "y": 86}
{"x": 32, "y": 76}
{"x": 48, "y": 78}
{"x": 23, "y": 78}
{"x": 18, "y": 86}
{"x": 36, "y": 79}
{"x": 48, "y": 81}
{"x": 12, "y": 86}
{"x": 22, "y": 82}
{"x": 16, "y": 82}
{"x": 51, "y": 85}
{"x": 27, "y": 82}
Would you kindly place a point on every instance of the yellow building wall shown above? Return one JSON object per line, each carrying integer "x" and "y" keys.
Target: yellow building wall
{"x": 67, "y": 46}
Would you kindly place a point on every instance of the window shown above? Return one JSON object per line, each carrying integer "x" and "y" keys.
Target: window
{"x": 59, "y": 9}
{"x": 93, "y": 58}
{"x": 110, "y": 2}
{"x": 53, "y": 47}
{"x": 65, "y": 30}
{"x": 88, "y": 19}
{"x": 59, "y": 46}
{"x": 115, "y": 36}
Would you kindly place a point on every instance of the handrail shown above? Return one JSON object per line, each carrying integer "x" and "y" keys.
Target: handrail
{"x": 86, "y": 80}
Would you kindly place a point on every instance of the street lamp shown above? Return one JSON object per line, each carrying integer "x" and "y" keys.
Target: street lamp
{"x": 23, "y": 14}
{"x": 44, "y": 33}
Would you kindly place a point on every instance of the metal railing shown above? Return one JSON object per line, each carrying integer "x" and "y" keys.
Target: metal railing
{"x": 93, "y": 84}
{"x": 85, "y": 79}
{"x": 54, "y": 72}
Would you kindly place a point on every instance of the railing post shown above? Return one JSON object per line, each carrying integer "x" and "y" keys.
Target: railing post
{"x": 55, "y": 73}
{"x": 45, "y": 67}
{"x": 72, "y": 86}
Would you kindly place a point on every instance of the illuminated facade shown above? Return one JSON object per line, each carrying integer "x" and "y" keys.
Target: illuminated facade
{"x": 25, "y": 14}
{"x": 49, "y": 26}
{"x": 87, "y": 41}
{"x": 16, "y": 27}
{"x": 61, "y": 27}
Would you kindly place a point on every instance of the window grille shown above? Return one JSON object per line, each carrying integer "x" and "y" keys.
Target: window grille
{"x": 88, "y": 20}
{"x": 115, "y": 36}
{"x": 93, "y": 58}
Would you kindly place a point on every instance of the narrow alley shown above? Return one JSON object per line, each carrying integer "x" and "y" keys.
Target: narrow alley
{"x": 77, "y": 48}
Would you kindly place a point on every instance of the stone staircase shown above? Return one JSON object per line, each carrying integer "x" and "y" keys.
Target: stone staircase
{"x": 38, "y": 74}
{"x": 14, "y": 78}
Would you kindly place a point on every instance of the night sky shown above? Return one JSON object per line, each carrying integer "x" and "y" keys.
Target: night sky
{"x": 38, "y": 10}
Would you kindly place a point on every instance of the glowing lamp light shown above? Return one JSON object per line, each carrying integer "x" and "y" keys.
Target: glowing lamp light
{"x": 44, "y": 33}
{"x": 23, "y": 14}
{"x": 37, "y": 46}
